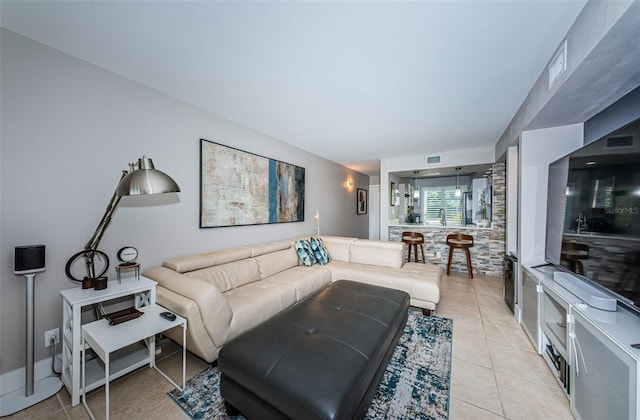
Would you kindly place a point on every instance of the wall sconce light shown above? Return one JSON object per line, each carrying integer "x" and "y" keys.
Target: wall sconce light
{"x": 349, "y": 183}
{"x": 317, "y": 221}
{"x": 458, "y": 191}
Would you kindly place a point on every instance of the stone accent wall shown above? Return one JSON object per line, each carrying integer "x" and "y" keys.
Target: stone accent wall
{"x": 497, "y": 244}
{"x": 489, "y": 249}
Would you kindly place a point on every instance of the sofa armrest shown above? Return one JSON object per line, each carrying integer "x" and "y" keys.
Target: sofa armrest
{"x": 199, "y": 341}
{"x": 215, "y": 312}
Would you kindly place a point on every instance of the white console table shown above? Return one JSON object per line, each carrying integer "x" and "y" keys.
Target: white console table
{"x": 603, "y": 368}
{"x": 73, "y": 300}
{"x": 106, "y": 339}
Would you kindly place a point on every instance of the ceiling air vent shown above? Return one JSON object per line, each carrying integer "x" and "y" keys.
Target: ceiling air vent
{"x": 433, "y": 160}
{"x": 619, "y": 142}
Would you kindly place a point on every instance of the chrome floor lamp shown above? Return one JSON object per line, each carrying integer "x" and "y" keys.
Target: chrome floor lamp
{"x": 141, "y": 179}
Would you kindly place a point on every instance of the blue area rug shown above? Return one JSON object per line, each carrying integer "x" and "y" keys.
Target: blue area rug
{"x": 415, "y": 384}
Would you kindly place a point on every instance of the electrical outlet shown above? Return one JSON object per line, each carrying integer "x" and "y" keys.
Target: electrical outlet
{"x": 51, "y": 333}
{"x": 438, "y": 254}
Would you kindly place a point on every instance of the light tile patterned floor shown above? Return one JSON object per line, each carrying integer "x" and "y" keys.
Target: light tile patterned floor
{"x": 495, "y": 371}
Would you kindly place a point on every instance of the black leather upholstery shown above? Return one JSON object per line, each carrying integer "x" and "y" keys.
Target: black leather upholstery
{"x": 321, "y": 359}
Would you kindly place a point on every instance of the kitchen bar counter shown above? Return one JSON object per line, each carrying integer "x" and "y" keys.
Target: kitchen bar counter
{"x": 598, "y": 235}
{"x": 486, "y": 255}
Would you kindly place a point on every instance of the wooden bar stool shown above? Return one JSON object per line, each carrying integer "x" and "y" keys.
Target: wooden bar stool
{"x": 572, "y": 253}
{"x": 414, "y": 239}
{"x": 462, "y": 241}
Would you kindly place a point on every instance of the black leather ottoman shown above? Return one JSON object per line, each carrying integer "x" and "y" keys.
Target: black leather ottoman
{"x": 323, "y": 358}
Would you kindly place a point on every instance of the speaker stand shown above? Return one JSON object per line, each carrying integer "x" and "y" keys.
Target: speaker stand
{"x": 32, "y": 393}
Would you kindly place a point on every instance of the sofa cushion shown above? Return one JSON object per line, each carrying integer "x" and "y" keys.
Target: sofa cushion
{"x": 303, "y": 248}
{"x": 276, "y": 262}
{"x": 254, "y": 303}
{"x": 231, "y": 275}
{"x": 319, "y": 250}
{"x": 305, "y": 280}
{"x": 267, "y": 247}
{"x": 421, "y": 281}
{"x": 339, "y": 248}
{"x": 379, "y": 253}
{"x": 200, "y": 261}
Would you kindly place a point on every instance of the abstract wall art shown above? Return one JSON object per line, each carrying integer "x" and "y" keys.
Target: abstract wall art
{"x": 361, "y": 201}
{"x": 240, "y": 188}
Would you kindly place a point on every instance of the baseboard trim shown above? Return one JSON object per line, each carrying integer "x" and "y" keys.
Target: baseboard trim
{"x": 14, "y": 380}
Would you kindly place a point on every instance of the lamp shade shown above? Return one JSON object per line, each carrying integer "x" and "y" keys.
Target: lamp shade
{"x": 146, "y": 180}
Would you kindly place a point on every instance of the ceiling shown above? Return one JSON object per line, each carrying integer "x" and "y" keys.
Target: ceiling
{"x": 353, "y": 82}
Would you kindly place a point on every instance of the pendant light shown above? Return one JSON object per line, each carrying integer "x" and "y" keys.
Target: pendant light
{"x": 458, "y": 192}
{"x": 416, "y": 191}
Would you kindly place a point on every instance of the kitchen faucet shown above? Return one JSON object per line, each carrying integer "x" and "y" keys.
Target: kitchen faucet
{"x": 581, "y": 221}
{"x": 443, "y": 217}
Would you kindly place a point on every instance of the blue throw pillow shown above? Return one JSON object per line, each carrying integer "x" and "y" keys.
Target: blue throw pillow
{"x": 319, "y": 251}
{"x": 303, "y": 248}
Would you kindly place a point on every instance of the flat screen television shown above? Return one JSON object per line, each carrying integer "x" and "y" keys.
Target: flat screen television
{"x": 593, "y": 214}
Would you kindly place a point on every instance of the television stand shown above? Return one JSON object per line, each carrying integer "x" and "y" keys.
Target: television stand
{"x": 598, "y": 357}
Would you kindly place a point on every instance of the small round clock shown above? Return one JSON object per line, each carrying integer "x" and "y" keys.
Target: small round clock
{"x": 127, "y": 255}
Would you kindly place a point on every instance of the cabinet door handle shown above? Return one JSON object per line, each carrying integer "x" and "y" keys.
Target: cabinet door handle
{"x": 578, "y": 354}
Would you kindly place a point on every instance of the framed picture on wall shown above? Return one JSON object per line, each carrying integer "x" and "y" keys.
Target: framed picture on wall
{"x": 392, "y": 194}
{"x": 361, "y": 201}
{"x": 239, "y": 188}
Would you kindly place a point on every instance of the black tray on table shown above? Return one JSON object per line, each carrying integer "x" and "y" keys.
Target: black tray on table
{"x": 119, "y": 317}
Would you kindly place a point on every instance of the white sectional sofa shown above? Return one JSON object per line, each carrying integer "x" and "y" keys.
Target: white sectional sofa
{"x": 225, "y": 293}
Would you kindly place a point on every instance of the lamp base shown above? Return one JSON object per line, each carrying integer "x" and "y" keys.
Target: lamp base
{"x": 16, "y": 400}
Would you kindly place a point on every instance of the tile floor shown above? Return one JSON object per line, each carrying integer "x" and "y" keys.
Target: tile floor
{"x": 495, "y": 371}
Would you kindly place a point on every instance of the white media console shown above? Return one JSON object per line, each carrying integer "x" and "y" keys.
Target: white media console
{"x": 588, "y": 349}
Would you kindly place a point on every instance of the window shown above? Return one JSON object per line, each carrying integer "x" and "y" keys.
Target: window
{"x": 603, "y": 193}
{"x": 436, "y": 198}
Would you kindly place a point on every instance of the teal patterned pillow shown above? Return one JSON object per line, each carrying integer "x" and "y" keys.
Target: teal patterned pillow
{"x": 303, "y": 248}
{"x": 319, "y": 251}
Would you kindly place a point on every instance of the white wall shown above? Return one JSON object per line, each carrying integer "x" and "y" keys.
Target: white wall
{"x": 538, "y": 148}
{"x": 593, "y": 68}
{"x": 69, "y": 128}
{"x": 512, "y": 200}
{"x": 374, "y": 212}
{"x": 450, "y": 158}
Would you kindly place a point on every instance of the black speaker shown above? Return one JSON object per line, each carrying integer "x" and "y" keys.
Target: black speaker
{"x": 29, "y": 258}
